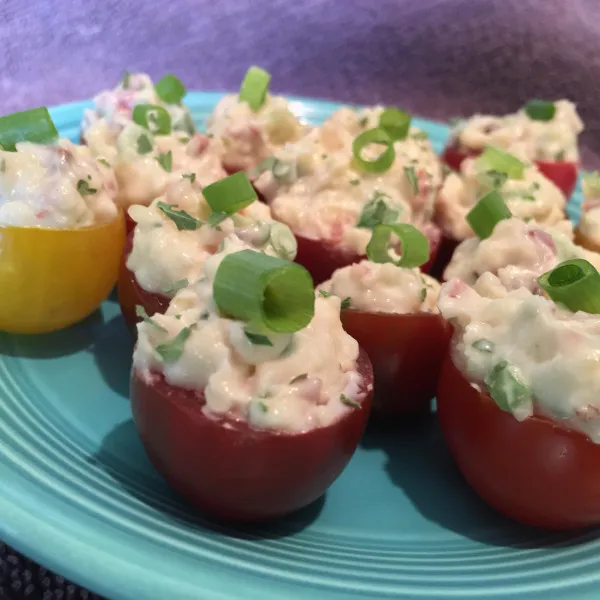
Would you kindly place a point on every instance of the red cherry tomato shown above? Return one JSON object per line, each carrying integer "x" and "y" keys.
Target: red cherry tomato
{"x": 563, "y": 174}
{"x": 322, "y": 258}
{"x": 232, "y": 471}
{"x": 534, "y": 471}
{"x": 406, "y": 352}
{"x": 131, "y": 293}
{"x": 129, "y": 223}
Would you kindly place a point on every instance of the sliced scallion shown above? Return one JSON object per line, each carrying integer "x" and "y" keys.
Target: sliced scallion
{"x": 395, "y": 122}
{"x": 153, "y": 118}
{"x": 414, "y": 245}
{"x": 33, "y": 125}
{"x": 410, "y": 174}
{"x": 384, "y": 161}
{"x": 171, "y": 350}
{"x": 506, "y": 387}
{"x": 182, "y": 219}
{"x": 540, "y": 110}
{"x": 495, "y": 159}
{"x": 231, "y": 194}
{"x": 265, "y": 291}
{"x": 574, "y": 283}
{"x": 140, "y": 312}
{"x": 254, "y": 87}
{"x": 165, "y": 160}
{"x": 170, "y": 89}
{"x": 487, "y": 213}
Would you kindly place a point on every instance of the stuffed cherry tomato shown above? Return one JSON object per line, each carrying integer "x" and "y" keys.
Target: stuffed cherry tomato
{"x": 528, "y": 194}
{"x": 176, "y": 234}
{"x": 359, "y": 169}
{"x": 517, "y": 397}
{"x": 389, "y": 307}
{"x": 61, "y": 234}
{"x": 254, "y": 415}
{"x": 545, "y": 133}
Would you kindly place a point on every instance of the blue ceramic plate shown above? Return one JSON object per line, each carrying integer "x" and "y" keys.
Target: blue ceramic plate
{"x": 78, "y": 494}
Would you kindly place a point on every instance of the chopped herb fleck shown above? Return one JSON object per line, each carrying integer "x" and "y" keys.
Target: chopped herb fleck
{"x": 323, "y": 156}
{"x": 190, "y": 176}
{"x": 126, "y": 80}
{"x": 348, "y": 401}
{"x": 354, "y": 181}
{"x": 83, "y": 187}
{"x": 419, "y": 135}
{"x": 377, "y": 212}
{"x": 345, "y": 303}
{"x": 184, "y": 140}
{"x": 423, "y": 294}
{"x": 104, "y": 162}
{"x": 182, "y": 219}
{"x": 535, "y": 186}
{"x": 172, "y": 350}
{"x": 3, "y": 166}
{"x": 258, "y": 339}
{"x": 412, "y": 179}
{"x": 362, "y": 122}
{"x": 176, "y": 286}
{"x": 325, "y": 293}
{"x": 140, "y": 312}
{"x": 215, "y": 218}
{"x": 204, "y": 315}
{"x": 166, "y": 161}
{"x": 298, "y": 378}
{"x": 144, "y": 145}
{"x": 559, "y": 156}
{"x": 263, "y": 407}
{"x": 178, "y": 317}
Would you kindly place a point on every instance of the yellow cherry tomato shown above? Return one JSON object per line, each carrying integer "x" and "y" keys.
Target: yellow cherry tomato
{"x": 53, "y": 278}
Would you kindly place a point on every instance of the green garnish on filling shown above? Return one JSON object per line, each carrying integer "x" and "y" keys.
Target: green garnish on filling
{"x": 263, "y": 407}
{"x": 170, "y": 89}
{"x": 487, "y": 213}
{"x": 216, "y": 218}
{"x": 152, "y": 117}
{"x": 182, "y": 219}
{"x": 144, "y": 145}
{"x": 411, "y": 175}
{"x": 377, "y": 212}
{"x": 104, "y": 162}
{"x": 371, "y": 137}
{"x": 231, "y": 194}
{"x": 140, "y": 312}
{"x": 345, "y": 304}
{"x": 423, "y": 294}
{"x": 255, "y": 87}
{"x": 257, "y": 339}
{"x": 325, "y": 293}
{"x": 540, "y": 110}
{"x": 33, "y": 125}
{"x": 190, "y": 176}
{"x": 83, "y": 187}
{"x": 172, "y": 350}
{"x": 395, "y": 122}
{"x": 165, "y": 160}
{"x": 348, "y": 401}
{"x": 414, "y": 245}
{"x": 506, "y": 387}
{"x": 500, "y": 161}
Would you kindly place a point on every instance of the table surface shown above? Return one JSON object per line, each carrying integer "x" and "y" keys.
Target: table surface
{"x": 436, "y": 58}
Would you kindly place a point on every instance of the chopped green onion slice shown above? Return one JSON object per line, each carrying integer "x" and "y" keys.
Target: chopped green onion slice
{"x": 423, "y": 294}
{"x": 325, "y": 293}
{"x": 125, "y": 81}
{"x": 153, "y": 118}
{"x": 348, "y": 401}
{"x": 172, "y": 350}
{"x": 540, "y": 110}
{"x": 263, "y": 407}
{"x": 395, "y": 122}
{"x": 487, "y": 213}
{"x": 419, "y": 135}
{"x": 258, "y": 339}
{"x": 170, "y": 89}
{"x": 345, "y": 304}
{"x": 175, "y": 286}
{"x": 190, "y": 176}
{"x": 216, "y": 218}
{"x": 166, "y": 161}
{"x": 377, "y": 212}
{"x": 283, "y": 241}
{"x": 410, "y": 174}
{"x": 231, "y": 194}
{"x": 182, "y": 219}
{"x": 254, "y": 87}
{"x": 83, "y": 187}
{"x": 140, "y": 312}
{"x": 574, "y": 283}
{"x": 384, "y": 161}
{"x": 414, "y": 245}
{"x": 33, "y": 125}
{"x": 495, "y": 159}
{"x": 265, "y": 291}
{"x": 506, "y": 387}
{"x": 144, "y": 145}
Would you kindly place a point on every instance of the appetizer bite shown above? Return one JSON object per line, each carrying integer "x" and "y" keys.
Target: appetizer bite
{"x": 359, "y": 169}
{"x": 178, "y": 232}
{"x": 542, "y": 132}
{"x": 518, "y": 396}
{"x": 253, "y": 124}
{"x": 61, "y": 234}
{"x": 528, "y": 194}
{"x": 248, "y": 395}
{"x": 146, "y": 134}
{"x": 587, "y": 233}
{"x": 389, "y": 308}
{"x": 509, "y": 253}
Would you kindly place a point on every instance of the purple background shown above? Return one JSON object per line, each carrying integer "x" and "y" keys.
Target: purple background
{"x": 437, "y": 58}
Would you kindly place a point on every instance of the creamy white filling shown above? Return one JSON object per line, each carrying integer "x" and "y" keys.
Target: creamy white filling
{"x": 297, "y": 384}
{"x": 554, "y": 140}
{"x": 553, "y": 354}
{"x": 251, "y": 136}
{"x": 532, "y": 198}
{"x": 316, "y": 188}
{"x": 514, "y": 256}
{"x": 375, "y": 287}
{"x": 56, "y": 186}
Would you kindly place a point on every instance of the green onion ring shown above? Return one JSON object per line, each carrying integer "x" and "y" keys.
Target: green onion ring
{"x": 414, "y": 245}
{"x": 487, "y": 213}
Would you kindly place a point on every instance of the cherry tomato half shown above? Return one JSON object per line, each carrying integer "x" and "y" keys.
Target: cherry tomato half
{"x": 534, "y": 471}
{"x": 53, "y": 278}
{"x": 232, "y": 471}
{"x": 321, "y": 258}
{"x": 131, "y": 292}
{"x": 406, "y": 352}
{"x": 562, "y": 173}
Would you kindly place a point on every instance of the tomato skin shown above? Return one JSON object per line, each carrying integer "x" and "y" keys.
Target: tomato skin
{"x": 562, "y": 173}
{"x": 232, "y": 471}
{"x": 533, "y": 471}
{"x": 322, "y": 258}
{"x": 406, "y": 352}
{"x": 129, "y": 223}
{"x": 131, "y": 293}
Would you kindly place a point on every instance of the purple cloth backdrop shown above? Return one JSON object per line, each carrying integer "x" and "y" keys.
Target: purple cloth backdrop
{"x": 437, "y": 58}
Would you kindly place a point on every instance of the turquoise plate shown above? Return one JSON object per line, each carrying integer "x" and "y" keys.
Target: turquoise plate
{"x": 79, "y": 495}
